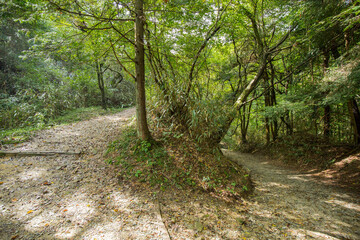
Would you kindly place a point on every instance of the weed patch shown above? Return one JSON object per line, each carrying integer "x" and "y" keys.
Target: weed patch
{"x": 174, "y": 161}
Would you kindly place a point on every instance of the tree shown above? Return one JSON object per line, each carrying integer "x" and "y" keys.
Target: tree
{"x": 142, "y": 126}
{"x": 89, "y": 18}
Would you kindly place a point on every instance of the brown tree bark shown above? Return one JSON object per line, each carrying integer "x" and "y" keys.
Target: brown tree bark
{"x": 352, "y": 105}
{"x": 327, "y": 108}
{"x": 355, "y": 119}
{"x": 267, "y": 104}
{"x": 100, "y": 78}
{"x": 327, "y": 122}
{"x": 142, "y": 126}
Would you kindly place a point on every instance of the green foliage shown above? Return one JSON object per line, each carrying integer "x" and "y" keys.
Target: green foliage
{"x": 168, "y": 163}
{"x": 140, "y": 159}
{"x": 22, "y": 134}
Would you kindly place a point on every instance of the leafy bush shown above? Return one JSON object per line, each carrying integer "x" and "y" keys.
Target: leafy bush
{"x": 35, "y": 108}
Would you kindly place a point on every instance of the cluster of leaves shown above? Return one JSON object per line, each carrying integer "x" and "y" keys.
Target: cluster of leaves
{"x": 175, "y": 161}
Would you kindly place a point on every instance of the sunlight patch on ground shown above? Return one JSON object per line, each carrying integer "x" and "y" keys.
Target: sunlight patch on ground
{"x": 298, "y": 177}
{"x": 265, "y": 163}
{"x": 33, "y": 174}
{"x": 351, "y": 206}
{"x": 116, "y": 118}
{"x": 105, "y": 230}
{"x": 274, "y": 184}
{"x": 41, "y": 221}
{"x": 26, "y": 209}
{"x": 67, "y": 232}
{"x": 67, "y": 217}
{"x": 264, "y": 213}
{"x": 305, "y": 234}
{"x": 120, "y": 200}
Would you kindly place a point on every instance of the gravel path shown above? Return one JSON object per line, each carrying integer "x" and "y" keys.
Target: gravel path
{"x": 73, "y": 197}
{"x": 293, "y": 205}
{"x": 79, "y": 197}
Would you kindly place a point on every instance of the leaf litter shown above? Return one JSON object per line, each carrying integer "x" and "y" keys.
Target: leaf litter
{"x": 79, "y": 197}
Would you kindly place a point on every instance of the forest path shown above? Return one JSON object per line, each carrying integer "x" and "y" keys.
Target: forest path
{"x": 296, "y": 205}
{"x": 73, "y": 197}
{"x": 79, "y": 197}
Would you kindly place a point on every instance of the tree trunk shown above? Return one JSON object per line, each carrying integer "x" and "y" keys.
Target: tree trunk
{"x": 327, "y": 122}
{"x": 275, "y": 127}
{"x": 267, "y": 104}
{"x": 355, "y": 119}
{"x": 327, "y": 108}
{"x": 100, "y": 78}
{"x": 142, "y": 126}
{"x": 245, "y": 120}
{"x": 352, "y": 105}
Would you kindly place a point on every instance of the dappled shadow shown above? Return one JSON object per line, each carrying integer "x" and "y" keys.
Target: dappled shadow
{"x": 56, "y": 200}
{"x": 73, "y": 197}
{"x": 300, "y": 205}
{"x": 70, "y": 197}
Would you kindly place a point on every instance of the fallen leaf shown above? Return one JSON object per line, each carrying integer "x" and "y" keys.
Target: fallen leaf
{"x": 14, "y": 237}
{"x": 1, "y": 183}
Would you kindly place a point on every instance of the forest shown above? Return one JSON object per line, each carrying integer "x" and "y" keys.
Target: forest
{"x": 279, "y": 78}
{"x": 251, "y": 71}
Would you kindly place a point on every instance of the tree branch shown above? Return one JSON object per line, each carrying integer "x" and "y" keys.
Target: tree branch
{"x": 118, "y": 61}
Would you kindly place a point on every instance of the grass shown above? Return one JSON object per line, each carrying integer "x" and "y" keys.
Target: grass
{"x": 22, "y": 134}
{"x": 175, "y": 162}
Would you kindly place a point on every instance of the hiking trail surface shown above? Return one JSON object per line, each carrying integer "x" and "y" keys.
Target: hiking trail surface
{"x": 80, "y": 196}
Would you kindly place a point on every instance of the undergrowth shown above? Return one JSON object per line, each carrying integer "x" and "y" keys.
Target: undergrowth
{"x": 306, "y": 150}
{"x": 22, "y": 134}
{"x": 174, "y": 161}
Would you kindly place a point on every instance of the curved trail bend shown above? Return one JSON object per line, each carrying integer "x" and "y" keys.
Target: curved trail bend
{"x": 294, "y": 202}
{"x": 79, "y": 197}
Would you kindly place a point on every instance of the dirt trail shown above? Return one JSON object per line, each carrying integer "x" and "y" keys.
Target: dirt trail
{"x": 296, "y": 205}
{"x": 79, "y": 197}
{"x": 70, "y": 197}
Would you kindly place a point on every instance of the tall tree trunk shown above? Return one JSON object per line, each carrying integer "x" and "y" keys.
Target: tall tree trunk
{"x": 327, "y": 108}
{"x": 327, "y": 122}
{"x": 267, "y": 104}
{"x": 274, "y": 125}
{"x": 245, "y": 120}
{"x": 100, "y": 78}
{"x": 352, "y": 105}
{"x": 142, "y": 126}
{"x": 355, "y": 119}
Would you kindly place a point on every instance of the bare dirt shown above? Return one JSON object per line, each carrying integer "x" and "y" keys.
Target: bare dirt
{"x": 80, "y": 197}
{"x": 295, "y": 204}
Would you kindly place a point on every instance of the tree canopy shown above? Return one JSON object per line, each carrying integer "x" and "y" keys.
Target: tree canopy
{"x": 248, "y": 70}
